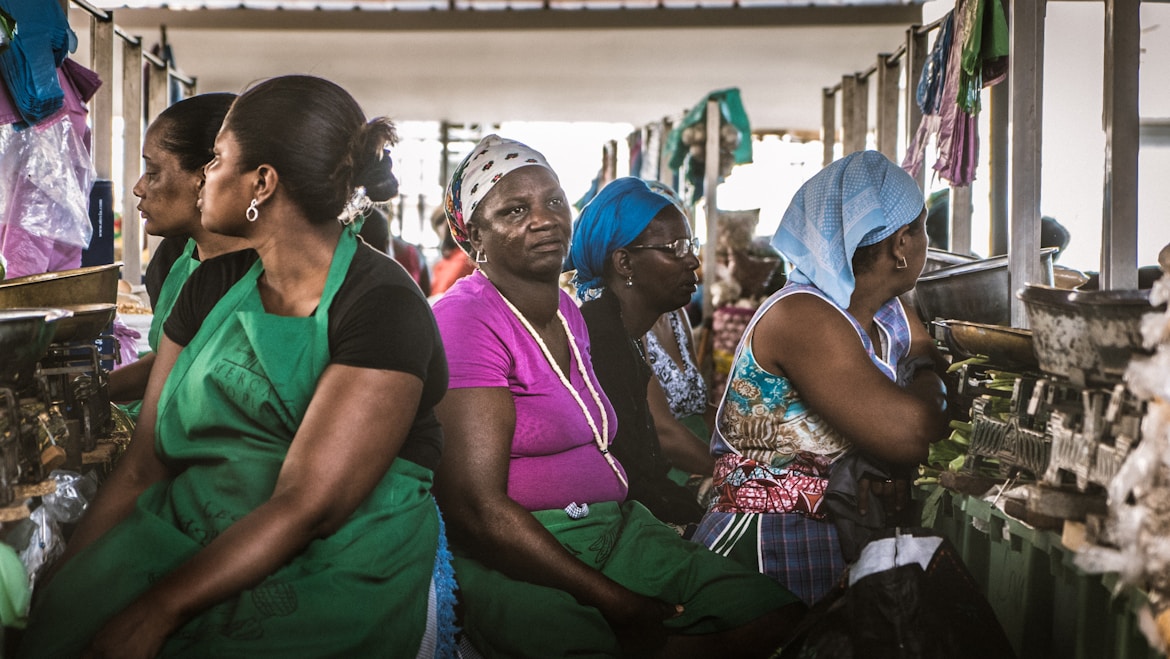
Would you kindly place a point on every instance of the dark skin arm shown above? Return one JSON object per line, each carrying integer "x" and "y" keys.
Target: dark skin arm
{"x": 679, "y": 444}
{"x": 803, "y": 338}
{"x": 129, "y": 382}
{"x": 346, "y": 442}
{"x": 471, "y": 486}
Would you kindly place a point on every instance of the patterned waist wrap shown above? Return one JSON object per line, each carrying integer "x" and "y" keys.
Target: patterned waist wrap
{"x": 744, "y": 485}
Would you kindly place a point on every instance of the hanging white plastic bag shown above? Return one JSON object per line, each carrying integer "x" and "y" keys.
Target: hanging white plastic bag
{"x": 45, "y": 179}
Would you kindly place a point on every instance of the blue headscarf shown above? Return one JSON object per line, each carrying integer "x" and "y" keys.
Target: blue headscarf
{"x": 613, "y": 219}
{"x": 856, "y": 201}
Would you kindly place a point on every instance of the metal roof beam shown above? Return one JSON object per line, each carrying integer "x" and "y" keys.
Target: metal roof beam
{"x": 505, "y": 19}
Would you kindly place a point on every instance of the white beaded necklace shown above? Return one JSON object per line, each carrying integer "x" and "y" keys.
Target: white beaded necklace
{"x": 601, "y": 438}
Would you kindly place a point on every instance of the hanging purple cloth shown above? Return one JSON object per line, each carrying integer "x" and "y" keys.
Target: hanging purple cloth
{"x": 950, "y": 114}
{"x": 929, "y": 95}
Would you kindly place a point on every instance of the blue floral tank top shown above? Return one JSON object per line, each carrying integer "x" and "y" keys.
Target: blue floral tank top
{"x": 763, "y": 418}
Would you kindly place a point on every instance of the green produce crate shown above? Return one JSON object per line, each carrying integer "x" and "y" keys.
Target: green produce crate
{"x": 1048, "y": 607}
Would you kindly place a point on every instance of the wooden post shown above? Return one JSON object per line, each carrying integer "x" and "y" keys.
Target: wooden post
{"x": 961, "y": 210}
{"x": 131, "y": 160}
{"x": 1026, "y": 71}
{"x": 710, "y": 193}
{"x": 915, "y": 60}
{"x": 888, "y": 74}
{"x": 854, "y": 111}
{"x": 158, "y": 94}
{"x": 101, "y": 107}
{"x": 828, "y": 123}
{"x": 1119, "y": 231}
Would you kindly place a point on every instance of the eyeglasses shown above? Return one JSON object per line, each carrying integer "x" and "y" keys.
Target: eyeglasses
{"x": 680, "y": 248}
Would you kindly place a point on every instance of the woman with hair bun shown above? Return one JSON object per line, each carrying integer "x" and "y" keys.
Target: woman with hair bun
{"x": 271, "y": 503}
{"x": 179, "y": 142}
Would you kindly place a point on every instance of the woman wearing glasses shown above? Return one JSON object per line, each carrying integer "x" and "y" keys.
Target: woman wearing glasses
{"x": 635, "y": 261}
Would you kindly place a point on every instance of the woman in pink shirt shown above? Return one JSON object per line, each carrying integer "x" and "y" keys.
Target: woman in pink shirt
{"x": 550, "y": 558}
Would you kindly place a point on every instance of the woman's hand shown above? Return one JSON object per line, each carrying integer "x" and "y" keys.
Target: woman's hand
{"x": 637, "y": 623}
{"x": 138, "y": 632}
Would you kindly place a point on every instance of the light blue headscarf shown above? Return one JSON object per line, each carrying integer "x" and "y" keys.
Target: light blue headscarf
{"x": 614, "y": 218}
{"x": 856, "y": 201}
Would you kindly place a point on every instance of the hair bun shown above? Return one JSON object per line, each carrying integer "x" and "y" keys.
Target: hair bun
{"x": 377, "y": 175}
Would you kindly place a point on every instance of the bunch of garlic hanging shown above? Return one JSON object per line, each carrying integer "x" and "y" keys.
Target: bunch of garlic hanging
{"x": 1139, "y": 495}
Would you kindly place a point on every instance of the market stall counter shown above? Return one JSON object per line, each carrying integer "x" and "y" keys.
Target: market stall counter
{"x": 1048, "y": 607}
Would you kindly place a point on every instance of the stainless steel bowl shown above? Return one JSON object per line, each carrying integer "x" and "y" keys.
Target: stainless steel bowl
{"x": 977, "y": 292}
{"x": 87, "y": 322}
{"x": 25, "y": 334}
{"x": 1114, "y": 320}
{"x": 1060, "y": 332}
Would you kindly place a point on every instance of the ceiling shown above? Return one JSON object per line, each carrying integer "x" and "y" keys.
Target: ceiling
{"x": 629, "y": 65}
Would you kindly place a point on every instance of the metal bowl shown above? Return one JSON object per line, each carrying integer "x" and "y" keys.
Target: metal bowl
{"x": 1114, "y": 320}
{"x": 1061, "y": 332}
{"x": 91, "y": 285}
{"x": 935, "y": 259}
{"x": 1003, "y": 346}
{"x": 86, "y": 324}
{"x": 25, "y": 334}
{"x": 977, "y": 292}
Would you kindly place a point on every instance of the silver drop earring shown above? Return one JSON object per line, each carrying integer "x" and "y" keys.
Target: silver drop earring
{"x": 253, "y": 213}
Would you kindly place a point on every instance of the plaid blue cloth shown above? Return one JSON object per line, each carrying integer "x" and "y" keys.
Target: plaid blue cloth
{"x": 801, "y": 554}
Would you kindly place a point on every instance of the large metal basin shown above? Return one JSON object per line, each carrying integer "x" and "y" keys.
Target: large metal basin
{"x": 977, "y": 292}
{"x": 935, "y": 259}
{"x": 25, "y": 334}
{"x": 97, "y": 284}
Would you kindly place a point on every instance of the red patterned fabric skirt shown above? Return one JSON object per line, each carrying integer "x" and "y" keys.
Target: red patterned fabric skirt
{"x": 743, "y": 485}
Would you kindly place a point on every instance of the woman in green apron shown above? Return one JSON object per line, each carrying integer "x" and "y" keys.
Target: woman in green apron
{"x": 177, "y": 146}
{"x": 275, "y": 500}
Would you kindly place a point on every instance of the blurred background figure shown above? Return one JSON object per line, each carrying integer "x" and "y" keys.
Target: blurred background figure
{"x": 454, "y": 264}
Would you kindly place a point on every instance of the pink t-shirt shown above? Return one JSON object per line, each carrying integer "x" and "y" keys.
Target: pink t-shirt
{"x": 554, "y": 460}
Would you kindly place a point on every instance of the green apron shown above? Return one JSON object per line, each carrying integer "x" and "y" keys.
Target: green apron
{"x": 180, "y": 271}
{"x": 227, "y": 415}
{"x": 506, "y": 618}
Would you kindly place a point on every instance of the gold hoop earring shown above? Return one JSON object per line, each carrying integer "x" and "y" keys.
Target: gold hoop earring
{"x": 902, "y": 264}
{"x": 253, "y": 213}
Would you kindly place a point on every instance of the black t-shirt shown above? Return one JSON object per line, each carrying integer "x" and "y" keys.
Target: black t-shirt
{"x": 625, "y": 378}
{"x": 161, "y": 261}
{"x": 378, "y": 319}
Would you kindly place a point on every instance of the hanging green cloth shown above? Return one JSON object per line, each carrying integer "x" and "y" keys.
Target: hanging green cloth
{"x": 732, "y": 111}
{"x": 985, "y": 38}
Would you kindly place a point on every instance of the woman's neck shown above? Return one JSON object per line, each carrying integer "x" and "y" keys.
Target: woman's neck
{"x": 537, "y": 299}
{"x": 209, "y": 245}
{"x": 637, "y": 317}
{"x": 296, "y": 265}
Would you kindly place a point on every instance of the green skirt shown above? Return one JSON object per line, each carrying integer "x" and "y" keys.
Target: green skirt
{"x": 360, "y": 592}
{"x": 504, "y": 617}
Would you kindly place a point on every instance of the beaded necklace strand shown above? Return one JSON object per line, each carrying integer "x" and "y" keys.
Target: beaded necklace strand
{"x": 601, "y": 438}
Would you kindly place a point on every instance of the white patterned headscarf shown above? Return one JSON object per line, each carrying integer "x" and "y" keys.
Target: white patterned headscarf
{"x": 858, "y": 200}
{"x": 492, "y": 159}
